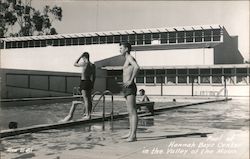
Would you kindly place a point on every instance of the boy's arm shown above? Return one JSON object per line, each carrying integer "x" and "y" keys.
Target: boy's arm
{"x": 76, "y": 64}
{"x": 135, "y": 70}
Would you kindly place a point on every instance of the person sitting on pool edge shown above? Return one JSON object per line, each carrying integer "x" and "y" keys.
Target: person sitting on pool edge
{"x": 144, "y": 97}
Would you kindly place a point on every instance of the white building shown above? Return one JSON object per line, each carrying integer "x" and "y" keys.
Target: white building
{"x": 170, "y": 59}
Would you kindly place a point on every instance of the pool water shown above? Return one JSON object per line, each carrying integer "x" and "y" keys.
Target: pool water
{"x": 213, "y": 117}
{"x": 52, "y": 113}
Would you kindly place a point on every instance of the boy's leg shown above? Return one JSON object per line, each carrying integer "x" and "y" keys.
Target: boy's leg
{"x": 71, "y": 112}
{"x": 131, "y": 105}
{"x": 87, "y": 103}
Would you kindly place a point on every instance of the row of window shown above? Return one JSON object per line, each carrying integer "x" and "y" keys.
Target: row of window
{"x": 193, "y": 79}
{"x": 187, "y": 76}
{"x": 208, "y": 71}
{"x": 134, "y": 39}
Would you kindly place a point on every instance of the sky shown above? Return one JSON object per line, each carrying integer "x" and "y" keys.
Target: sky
{"x": 94, "y": 16}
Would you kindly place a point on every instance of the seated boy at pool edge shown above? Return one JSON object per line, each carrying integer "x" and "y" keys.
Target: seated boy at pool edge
{"x": 144, "y": 97}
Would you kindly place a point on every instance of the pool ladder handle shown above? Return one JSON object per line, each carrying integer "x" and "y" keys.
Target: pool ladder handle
{"x": 106, "y": 92}
{"x": 77, "y": 93}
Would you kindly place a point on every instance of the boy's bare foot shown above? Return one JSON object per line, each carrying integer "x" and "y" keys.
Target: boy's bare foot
{"x": 125, "y": 136}
{"x": 87, "y": 117}
{"x": 67, "y": 118}
{"x": 131, "y": 139}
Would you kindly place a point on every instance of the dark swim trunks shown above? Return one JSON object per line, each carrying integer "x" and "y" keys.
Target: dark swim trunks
{"x": 86, "y": 85}
{"x": 130, "y": 90}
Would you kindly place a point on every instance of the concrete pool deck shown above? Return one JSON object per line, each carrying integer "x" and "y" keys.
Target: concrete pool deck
{"x": 215, "y": 146}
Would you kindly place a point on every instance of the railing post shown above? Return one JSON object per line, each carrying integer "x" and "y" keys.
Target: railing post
{"x": 103, "y": 109}
{"x": 225, "y": 87}
{"x": 161, "y": 86}
{"x": 192, "y": 79}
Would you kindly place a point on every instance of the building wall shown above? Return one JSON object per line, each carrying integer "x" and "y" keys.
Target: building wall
{"x": 199, "y": 90}
{"x": 201, "y": 56}
{"x": 55, "y": 61}
{"x": 227, "y": 52}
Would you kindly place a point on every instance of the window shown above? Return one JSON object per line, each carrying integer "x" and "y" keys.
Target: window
{"x": 139, "y": 39}
{"x": 205, "y": 79}
{"x": 241, "y": 79}
{"x": 8, "y": 45}
{"x": 150, "y": 76}
{"x": 164, "y": 37}
{"x": 189, "y": 36}
{"x": 207, "y": 35}
{"x": 48, "y": 42}
{"x": 62, "y": 42}
{"x": 181, "y": 37}
{"x": 172, "y": 37}
{"x": 205, "y": 71}
{"x": 117, "y": 74}
{"x": 216, "y": 71}
{"x": 117, "y": 39}
{"x": 110, "y": 39}
{"x": 193, "y": 71}
{"x": 19, "y": 44}
{"x": 37, "y": 43}
{"x": 148, "y": 38}
{"x": 95, "y": 40}
{"x": 68, "y": 41}
{"x": 13, "y": 44}
{"x": 140, "y": 77}
{"x": 31, "y": 43}
{"x": 124, "y": 38}
{"x": 216, "y": 79}
{"x": 160, "y": 76}
{"x": 132, "y": 39}
{"x": 88, "y": 40}
{"x": 156, "y": 36}
{"x": 182, "y": 71}
{"x": 43, "y": 43}
{"x": 55, "y": 42}
{"x": 216, "y": 35}
{"x": 25, "y": 44}
{"x": 241, "y": 71}
{"x": 81, "y": 41}
{"x": 171, "y": 79}
{"x": 171, "y": 76}
{"x": 193, "y": 79}
{"x": 75, "y": 41}
{"x": 103, "y": 40}
{"x": 198, "y": 36}
{"x": 229, "y": 71}
{"x": 182, "y": 79}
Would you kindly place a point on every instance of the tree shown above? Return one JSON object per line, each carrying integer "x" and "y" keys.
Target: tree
{"x": 28, "y": 21}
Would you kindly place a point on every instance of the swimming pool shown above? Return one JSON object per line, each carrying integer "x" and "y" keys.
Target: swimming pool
{"x": 214, "y": 117}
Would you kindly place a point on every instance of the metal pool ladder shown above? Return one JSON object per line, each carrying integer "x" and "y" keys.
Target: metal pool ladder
{"x": 77, "y": 93}
{"x": 103, "y": 96}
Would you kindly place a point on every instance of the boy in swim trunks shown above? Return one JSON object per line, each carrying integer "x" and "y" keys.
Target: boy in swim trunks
{"x": 86, "y": 85}
{"x": 130, "y": 69}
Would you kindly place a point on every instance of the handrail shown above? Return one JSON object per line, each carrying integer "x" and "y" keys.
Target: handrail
{"x": 226, "y": 93}
{"x": 102, "y": 95}
{"x": 106, "y": 92}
